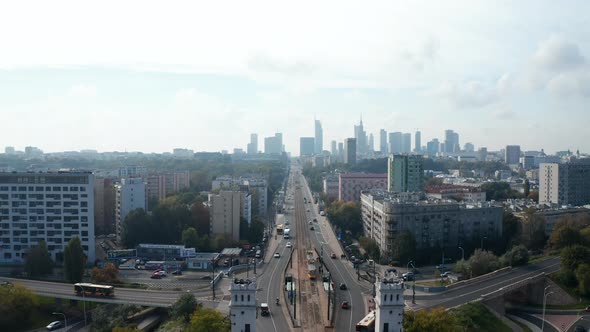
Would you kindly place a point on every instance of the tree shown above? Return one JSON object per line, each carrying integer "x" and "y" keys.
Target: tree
{"x": 137, "y": 228}
{"x": 255, "y": 231}
{"x": 74, "y": 260}
{"x": 534, "y": 195}
{"x": 482, "y": 262}
{"x": 190, "y": 238}
{"x": 109, "y": 274}
{"x": 583, "y": 277}
{"x": 527, "y": 188}
{"x": 125, "y": 329}
{"x": 371, "y": 247}
{"x": 585, "y": 235}
{"x": 200, "y": 218}
{"x": 106, "y": 319}
{"x": 433, "y": 320}
{"x": 509, "y": 229}
{"x": 16, "y": 306}
{"x": 208, "y": 320}
{"x": 564, "y": 236}
{"x": 403, "y": 248}
{"x": 518, "y": 255}
{"x": 184, "y": 307}
{"x": 39, "y": 261}
{"x": 573, "y": 256}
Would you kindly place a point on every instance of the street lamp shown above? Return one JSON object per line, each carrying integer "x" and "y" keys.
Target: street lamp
{"x": 483, "y": 238}
{"x": 544, "y": 304}
{"x": 84, "y": 304}
{"x": 462, "y": 253}
{"x": 65, "y": 320}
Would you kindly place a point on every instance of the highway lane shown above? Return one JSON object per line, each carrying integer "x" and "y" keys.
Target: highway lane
{"x": 341, "y": 270}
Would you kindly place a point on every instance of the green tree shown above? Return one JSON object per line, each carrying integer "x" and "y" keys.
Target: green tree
{"x": 39, "y": 261}
{"x": 255, "y": 231}
{"x": 125, "y": 329}
{"x": 509, "y": 229}
{"x": 518, "y": 255}
{"x": 585, "y": 235}
{"x": 583, "y": 277}
{"x": 74, "y": 260}
{"x": 208, "y": 320}
{"x": 432, "y": 320}
{"x": 184, "y": 307}
{"x": 482, "y": 262}
{"x": 138, "y": 228}
{"x": 403, "y": 248}
{"x": 564, "y": 236}
{"x": 16, "y": 305}
{"x": 573, "y": 256}
{"x": 108, "y": 275}
{"x": 107, "y": 318}
{"x": 190, "y": 238}
{"x": 527, "y": 188}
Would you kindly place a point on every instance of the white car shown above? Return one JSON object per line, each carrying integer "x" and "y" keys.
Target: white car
{"x": 54, "y": 326}
{"x": 289, "y": 245}
{"x": 277, "y": 255}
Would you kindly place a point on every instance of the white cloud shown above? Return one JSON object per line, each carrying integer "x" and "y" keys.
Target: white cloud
{"x": 470, "y": 94}
{"x": 83, "y": 90}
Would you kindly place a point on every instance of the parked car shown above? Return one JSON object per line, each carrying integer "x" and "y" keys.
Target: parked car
{"x": 54, "y": 326}
{"x": 156, "y": 276}
{"x": 345, "y": 305}
{"x": 343, "y": 286}
{"x": 333, "y": 256}
{"x": 441, "y": 268}
{"x": 408, "y": 276}
{"x": 177, "y": 272}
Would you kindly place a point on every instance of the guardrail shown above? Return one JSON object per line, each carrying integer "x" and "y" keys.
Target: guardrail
{"x": 479, "y": 278}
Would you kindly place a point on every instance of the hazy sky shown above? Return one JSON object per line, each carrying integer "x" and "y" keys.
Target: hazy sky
{"x": 152, "y": 76}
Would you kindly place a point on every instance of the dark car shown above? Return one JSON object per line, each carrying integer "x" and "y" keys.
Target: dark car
{"x": 311, "y": 228}
{"x": 177, "y": 273}
{"x": 345, "y": 305}
{"x": 54, "y": 326}
{"x": 333, "y": 256}
{"x": 343, "y": 286}
{"x": 156, "y": 276}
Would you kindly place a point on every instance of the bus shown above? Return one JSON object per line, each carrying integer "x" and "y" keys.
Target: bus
{"x": 85, "y": 289}
{"x": 367, "y": 324}
{"x": 286, "y": 233}
{"x": 280, "y": 229}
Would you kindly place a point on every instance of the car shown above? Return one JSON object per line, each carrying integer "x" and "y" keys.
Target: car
{"x": 289, "y": 245}
{"x": 315, "y": 220}
{"x": 343, "y": 286}
{"x": 156, "y": 276}
{"x": 310, "y": 222}
{"x": 333, "y": 256}
{"x": 445, "y": 274}
{"x": 54, "y": 326}
{"x": 441, "y": 268}
{"x": 587, "y": 309}
{"x": 161, "y": 273}
{"x": 177, "y": 272}
{"x": 345, "y": 305}
{"x": 264, "y": 311}
{"x": 408, "y": 276}
{"x": 277, "y": 255}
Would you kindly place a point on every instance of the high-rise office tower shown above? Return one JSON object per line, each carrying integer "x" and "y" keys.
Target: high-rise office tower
{"x": 361, "y": 138}
{"x": 273, "y": 144}
{"x": 418, "y": 141}
{"x": 433, "y": 147}
{"x": 407, "y": 143}
{"x": 383, "y": 141}
{"x": 395, "y": 142}
{"x": 319, "y": 137}
{"x": 350, "y": 151}
{"x": 405, "y": 173}
{"x": 451, "y": 141}
{"x": 564, "y": 184}
{"x": 341, "y": 151}
{"x": 482, "y": 154}
{"x": 371, "y": 143}
{"x": 252, "y": 147}
{"x": 334, "y": 148}
{"x": 306, "y": 146}
{"x": 512, "y": 154}
{"x": 469, "y": 147}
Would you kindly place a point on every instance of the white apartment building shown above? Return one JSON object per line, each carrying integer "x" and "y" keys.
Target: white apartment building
{"x": 130, "y": 194}
{"x": 132, "y": 171}
{"x": 50, "y": 207}
{"x": 565, "y": 184}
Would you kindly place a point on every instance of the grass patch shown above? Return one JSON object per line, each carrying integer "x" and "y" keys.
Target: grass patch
{"x": 476, "y": 317}
{"x": 573, "y": 291}
{"x": 432, "y": 283}
{"x": 540, "y": 258}
{"x": 172, "y": 325}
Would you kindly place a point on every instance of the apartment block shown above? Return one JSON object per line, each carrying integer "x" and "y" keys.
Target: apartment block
{"x": 130, "y": 194}
{"x": 405, "y": 173}
{"x": 350, "y": 185}
{"x": 565, "y": 184}
{"x": 50, "y": 207}
{"x": 160, "y": 186}
{"x": 226, "y": 209}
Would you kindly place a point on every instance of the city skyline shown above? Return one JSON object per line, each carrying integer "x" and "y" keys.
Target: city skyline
{"x": 194, "y": 81}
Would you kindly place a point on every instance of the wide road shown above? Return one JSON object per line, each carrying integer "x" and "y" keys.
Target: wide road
{"x": 341, "y": 270}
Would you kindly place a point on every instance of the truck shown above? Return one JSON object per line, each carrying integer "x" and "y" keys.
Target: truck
{"x": 286, "y": 233}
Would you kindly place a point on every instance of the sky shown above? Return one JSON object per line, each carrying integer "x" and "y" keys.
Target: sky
{"x": 152, "y": 76}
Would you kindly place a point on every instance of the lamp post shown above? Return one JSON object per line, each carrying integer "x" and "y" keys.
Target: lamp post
{"x": 84, "y": 305}
{"x": 483, "y": 238}
{"x": 544, "y": 303}
{"x": 65, "y": 319}
{"x": 462, "y": 253}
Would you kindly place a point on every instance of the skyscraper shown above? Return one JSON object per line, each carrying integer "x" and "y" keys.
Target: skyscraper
{"x": 405, "y": 173}
{"x": 350, "y": 151}
{"x": 433, "y": 147}
{"x": 395, "y": 142}
{"x": 252, "y": 147}
{"x": 334, "y": 148}
{"x": 361, "y": 138}
{"x": 383, "y": 141}
{"x": 273, "y": 144}
{"x": 371, "y": 146}
{"x": 319, "y": 137}
{"x": 341, "y": 151}
{"x": 306, "y": 146}
{"x": 418, "y": 141}
{"x": 407, "y": 143}
{"x": 451, "y": 141}
{"x": 512, "y": 154}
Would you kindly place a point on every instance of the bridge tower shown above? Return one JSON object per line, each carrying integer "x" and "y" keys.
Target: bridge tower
{"x": 389, "y": 301}
{"x": 242, "y": 306}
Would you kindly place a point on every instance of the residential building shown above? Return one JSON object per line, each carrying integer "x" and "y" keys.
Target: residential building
{"x": 383, "y": 141}
{"x": 130, "y": 194}
{"x": 467, "y": 194}
{"x": 469, "y": 147}
{"x": 306, "y": 146}
{"x": 9, "y": 150}
{"x": 258, "y": 188}
{"x": 132, "y": 171}
{"x": 104, "y": 206}
{"x": 273, "y": 144}
{"x": 331, "y": 185}
{"x": 565, "y": 184}
{"x": 50, "y": 207}
{"x": 527, "y": 162}
{"x": 395, "y": 142}
{"x": 432, "y": 223}
{"x": 183, "y": 153}
{"x": 160, "y": 186}
{"x": 418, "y": 142}
{"x": 350, "y": 151}
{"x": 482, "y": 154}
{"x": 512, "y": 154}
{"x": 551, "y": 216}
{"x": 405, "y": 173}
{"x": 319, "y": 138}
{"x": 226, "y": 209}
{"x": 350, "y": 185}
{"x": 252, "y": 147}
